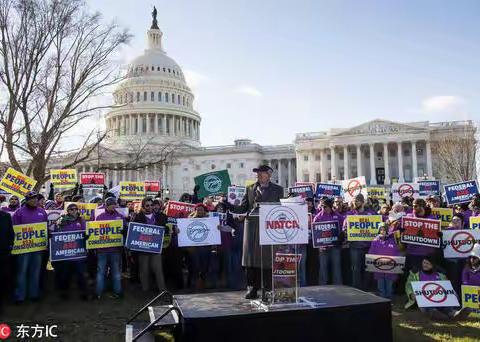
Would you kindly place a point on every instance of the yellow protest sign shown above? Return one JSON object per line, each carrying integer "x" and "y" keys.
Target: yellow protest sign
{"x": 86, "y": 210}
{"x": 132, "y": 190}
{"x": 250, "y": 182}
{"x": 376, "y": 192}
{"x": 17, "y": 183}
{"x": 363, "y": 227}
{"x": 443, "y": 214}
{"x": 30, "y": 238}
{"x": 471, "y": 299}
{"x": 63, "y": 178}
{"x": 104, "y": 234}
{"x": 475, "y": 222}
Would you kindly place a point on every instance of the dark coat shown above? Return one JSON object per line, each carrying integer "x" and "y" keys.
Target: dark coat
{"x": 253, "y": 254}
{"x": 6, "y": 233}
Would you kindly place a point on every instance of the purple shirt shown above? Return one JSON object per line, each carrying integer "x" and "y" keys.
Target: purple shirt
{"x": 466, "y": 218}
{"x": 470, "y": 277}
{"x": 387, "y": 246}
{"x": 428, "y": 277}
{"x": 420, "y": 250}
{"x": 10, "y": 209}
{"x": 26, "y": 215}
{"x": 78, "y": 224}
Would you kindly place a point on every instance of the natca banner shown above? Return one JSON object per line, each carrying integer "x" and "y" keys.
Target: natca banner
{"x": 459, "y": 243}
{"x": 179, "y": 209}
{"x": 422, "y": 232}
{"x": 460, "y": 192}
{"x": 198, "y": 232}
{"x": 16, "y": 183}
{"x": 328, "y": 190}
{"x": 86, "y": 210}
{"x": 363, "y": 227}
{"x": 353, "y": 187}
{"x": 104, "y": 234}
{"x": 67, "y": 246}
{"x": 437, "y": 293}
{"x": 132, "y": 190}
{"x": 304, "y": 191}
{"x": 384, "y": 263}
{"x": 401, "y": 190}
{"x": 30, "y": 238}
{"x": 429, "y": 187}
{"x": 152, "y": 188}
{"x": 471, "y": 299}
{"x": 376, "y": 192}
{"x": 63, "y": 178}
{"x": 145, "y": 238}
{"x": 236, "y": 194}
{"x": 325, "y": 234}
{"x": 475, "y": 222}
{"x": 283, "y": 224}
{"x": 443, "y": 214}
{"x": 213, "y": 183}
{"x": 92, "y": 180}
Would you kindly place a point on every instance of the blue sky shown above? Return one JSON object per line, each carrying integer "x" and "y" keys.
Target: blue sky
{"x": 266, "y": 70}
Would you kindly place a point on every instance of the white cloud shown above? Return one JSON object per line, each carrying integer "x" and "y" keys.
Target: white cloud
{"x": 248, "y": 90}
{"x": 443, "y": 104}
{"x": 195, "y": 79}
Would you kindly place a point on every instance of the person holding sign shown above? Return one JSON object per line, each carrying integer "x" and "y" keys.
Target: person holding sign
{"x": 454, "y": 266}
{"x": 471, "y": 271}
{"x": 29, "y": 264}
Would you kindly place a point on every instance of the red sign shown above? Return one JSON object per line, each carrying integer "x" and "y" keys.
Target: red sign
{"x": 466, "y": 242}
{"x": 92, "y": 180}
{"x": 406, "y": 190}
{"x": 421, "y": 231}
{"x": 179, "y": 209}
{"x": 152, "y": 188}
{"x": 434, "y": 292}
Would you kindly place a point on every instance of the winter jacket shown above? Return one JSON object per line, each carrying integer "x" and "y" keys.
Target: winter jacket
{"x": 6, "y": 233}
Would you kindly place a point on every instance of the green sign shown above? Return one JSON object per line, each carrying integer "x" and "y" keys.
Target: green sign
{"x": 213, "y": 183}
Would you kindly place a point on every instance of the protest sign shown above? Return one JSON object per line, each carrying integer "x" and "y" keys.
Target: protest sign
{"x": 471, "y": 299}
{"x": 384, "y": 263}
{"x": 401, "y": 190}
{"x": 30, "y": 238}
{"x": 444, "y": 215}
{"x": 236, "y": 194}
{"x": 250, "y": 182}
{"x": 312, "y": 185}
{"x": 420, "y": 231}
{"x": 198, "y": 231}
{"x": 132, "y": 190}
{"x": 145, "y": 238}
{"x": 53, "y": 216}
{"x": 474, "y": 222}
{"x": 325, "y": 234}
{"x": 429, "y": 187}
{"x": 353, "y": 187}
{"x": 423, "y": 178}
{"x": 86, "y": 210}
{"x": 283, "y": 224}
{"x": 212, "y": 183}
{"x": 304, "y": 191}
{"x": 16, "y": 183}
{"x": 92, "y": 180}
{"x": 104, "y": 234}
{"x": 179, "y": 209}
{"x": 438, "y": 293}
{"x": 363, "y": 227}
{"x": 152, "y": 188}
{"x": 328, "y": 190}
{"x": 459, "y": 243}
{"x": 376, "y": 192}
{"x": 284, "y": 277}
{"x": 67, "y": 246}
{"x": 460, "y": 192}
{"x": 63, "y": 178}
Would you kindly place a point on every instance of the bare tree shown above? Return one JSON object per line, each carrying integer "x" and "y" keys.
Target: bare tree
{"x": 455, "y": 155}
{"x": 55, "y": 60}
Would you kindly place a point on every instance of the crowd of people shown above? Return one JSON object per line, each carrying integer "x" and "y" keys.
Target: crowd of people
{"x": 221, "y": 267}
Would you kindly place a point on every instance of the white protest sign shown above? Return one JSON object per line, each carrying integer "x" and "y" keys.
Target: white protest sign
{"x": 400, "y": 190}
{"x": 236, "y": 194}
{"x": 285, "y": 224}
{"x": 384, "y": 263}
{"x": 198, "y": 231}
{"x": 353, "y": 187}
{"x": 121, "y": 211}
{"x": 438, "y": 293}
{"x": 459, "y": 243}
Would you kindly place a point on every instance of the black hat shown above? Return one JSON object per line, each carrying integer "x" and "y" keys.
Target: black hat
{"x": 263, "y": 168}
{"x": 30, "y": 195}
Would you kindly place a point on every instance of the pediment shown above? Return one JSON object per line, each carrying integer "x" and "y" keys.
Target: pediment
{"x": 379, "y": 127}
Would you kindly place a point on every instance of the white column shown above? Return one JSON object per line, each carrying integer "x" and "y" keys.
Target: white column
{"x": 346, "y": 174}
{"x": 290, "y": 176}
{"x": 124, "y": 174}
{"x": 386, "y": 164}
{"x": 400, "y": 162}
{"x": 311, "y": 166}
{"x": 115, "y": 176}
{"x": 165, "y": 175}
{"x": 140, "y": 123}
{"x": 429, "y": 159}
{"x": 414, "y": 160}
{"x": 359, "y": 160}
{"x": 280, "y": 173}
{"x": 132, "y": 124}
{"x": 333, "y": 162}
{"x": 155, "y": 125}
{"x": 149, "y": 129}
{"x": 323, "y": 165}
{"x": 373, "y": 178}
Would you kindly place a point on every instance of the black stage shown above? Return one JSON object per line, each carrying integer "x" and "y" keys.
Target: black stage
{"x": 341, "y": 313}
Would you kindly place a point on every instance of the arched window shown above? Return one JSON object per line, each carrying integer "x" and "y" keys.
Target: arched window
{"x": 178, "y": 99}
{"x": 138, "y": 96}
{"x": 163, "y": 69}
{"x": 183, "y": 101}
{"x": 173, "y": 98}
{"x": 169, "y": 70}
{"x": 144, "y": 96}
{"x": 153, "y": 68}
{"x": 158, "y": 68}
{"x": 159, "y": 96}
{"x": 166, "y": 97}
{"x": 152, "y": 96}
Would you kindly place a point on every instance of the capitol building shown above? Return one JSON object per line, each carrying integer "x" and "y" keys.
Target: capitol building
{"x": 154, "y": 134}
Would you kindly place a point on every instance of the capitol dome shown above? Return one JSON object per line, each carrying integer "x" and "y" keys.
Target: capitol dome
{"x": 153, "y": 101}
